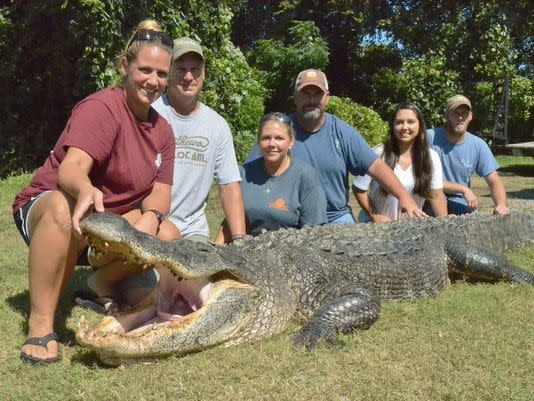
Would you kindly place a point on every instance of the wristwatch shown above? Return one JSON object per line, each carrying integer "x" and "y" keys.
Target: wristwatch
{"x": 158, "y": 214}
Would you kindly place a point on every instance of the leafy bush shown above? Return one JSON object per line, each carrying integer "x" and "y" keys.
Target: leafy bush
{"x": 56, "y": 53}
{"x": 234, "y": 89}
{"x": 428, "y": 83}
{"x": 364, "y": 119}
{"x": 425, "y": 81}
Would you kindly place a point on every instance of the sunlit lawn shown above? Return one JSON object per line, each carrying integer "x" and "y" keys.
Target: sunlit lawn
{"x": 473, "y": 342}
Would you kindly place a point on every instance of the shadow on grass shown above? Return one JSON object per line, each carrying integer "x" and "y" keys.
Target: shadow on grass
{"x": 518, "y": 169}
{"x": 89, "y": 359}
{"x": 523, "y": 194}
{"x": 527, "y": 194}
{"x": 21, "y": 303}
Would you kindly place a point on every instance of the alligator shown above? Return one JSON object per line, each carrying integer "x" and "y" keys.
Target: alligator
{"x": 331, "y": 279}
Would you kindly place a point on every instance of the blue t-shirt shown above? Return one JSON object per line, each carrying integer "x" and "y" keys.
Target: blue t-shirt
{"x": 336, "y": 150}
{"x": 294, "y": 198}
{"x": 459, "y": 161}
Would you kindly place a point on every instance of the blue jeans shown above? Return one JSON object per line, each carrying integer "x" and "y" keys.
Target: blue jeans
{"x": 363, "y": 217}
{"x": 453, "y": 207}
{"x": 345, "y": 219}
{"x": 458, "y": 208}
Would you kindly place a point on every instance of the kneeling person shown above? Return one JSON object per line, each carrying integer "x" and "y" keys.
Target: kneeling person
{"x": 204, "y": 150}
{"x": 461, "y": 154}
{"x": 278, "y": 190}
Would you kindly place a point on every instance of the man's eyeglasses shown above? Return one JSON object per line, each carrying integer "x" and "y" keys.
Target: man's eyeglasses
{"x": 149, "y": 35}
{"x": 276, "y": 116}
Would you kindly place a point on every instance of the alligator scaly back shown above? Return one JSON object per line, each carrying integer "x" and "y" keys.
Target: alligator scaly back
{"x": 331, "y": 279}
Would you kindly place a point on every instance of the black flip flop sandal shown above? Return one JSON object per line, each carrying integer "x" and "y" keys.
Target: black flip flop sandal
{"x": 41, "y": 342}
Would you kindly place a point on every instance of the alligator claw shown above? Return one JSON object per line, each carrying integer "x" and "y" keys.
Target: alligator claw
{"x": 311, "y": 336}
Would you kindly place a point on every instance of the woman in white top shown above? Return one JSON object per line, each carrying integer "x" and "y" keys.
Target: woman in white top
{"x": 416, "y": 165}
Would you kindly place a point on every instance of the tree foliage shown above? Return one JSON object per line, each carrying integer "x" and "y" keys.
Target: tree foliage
{"x": 375, "y": 53}
{"x": 374, "y": 45}
{"x": 343, "y": 24}
{"x": 55, "y": 53}
{"x": 280, "y": 62}
{"x": 479, "y": 43}
{"x": 426, "y": 82}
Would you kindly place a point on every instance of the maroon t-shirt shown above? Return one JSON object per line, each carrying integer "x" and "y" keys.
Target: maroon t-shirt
{"x": 129, "y": 155}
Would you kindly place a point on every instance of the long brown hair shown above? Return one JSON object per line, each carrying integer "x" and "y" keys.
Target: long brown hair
{"x": 421, "y": 159}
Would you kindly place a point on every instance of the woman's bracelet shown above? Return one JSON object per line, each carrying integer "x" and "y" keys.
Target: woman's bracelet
{"x": 158, "y": 214}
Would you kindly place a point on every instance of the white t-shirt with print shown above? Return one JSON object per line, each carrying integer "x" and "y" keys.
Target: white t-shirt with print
{"x": 389, "y": 205}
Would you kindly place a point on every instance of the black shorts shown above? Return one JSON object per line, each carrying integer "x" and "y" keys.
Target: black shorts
{"x": 21, "y": 221}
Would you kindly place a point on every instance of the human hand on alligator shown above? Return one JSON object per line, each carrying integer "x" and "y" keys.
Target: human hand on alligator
{"x": 409, "y": 208}
{"x": 471, "y": 198}
{"x": 380, "y": 218}
{"x": 501, "y": 210}
{"x": 88, "y": 199}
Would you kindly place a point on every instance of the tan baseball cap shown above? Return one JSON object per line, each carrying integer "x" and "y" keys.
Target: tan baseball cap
{"x": 455, "y": 102}
{"x": 186, "y": 45}
{"x": 311, "y": 77}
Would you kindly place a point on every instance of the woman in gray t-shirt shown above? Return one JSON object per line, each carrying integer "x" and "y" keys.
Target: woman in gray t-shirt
{"x": 278, "y": 190}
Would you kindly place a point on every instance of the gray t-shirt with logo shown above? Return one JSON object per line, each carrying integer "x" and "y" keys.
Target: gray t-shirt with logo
{"x": 294, "y": 198}
{"x": 204, "y": 152}
{"x": 459, "y": 161}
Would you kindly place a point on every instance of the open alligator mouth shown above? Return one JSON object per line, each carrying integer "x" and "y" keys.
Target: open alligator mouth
{"x": 194, "y": 306}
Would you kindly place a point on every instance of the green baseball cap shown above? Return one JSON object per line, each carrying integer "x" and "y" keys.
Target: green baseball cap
{"x": 186, "y": 45}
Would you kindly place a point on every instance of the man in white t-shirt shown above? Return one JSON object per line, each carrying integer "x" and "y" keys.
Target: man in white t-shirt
{"x": 204, "y": 150}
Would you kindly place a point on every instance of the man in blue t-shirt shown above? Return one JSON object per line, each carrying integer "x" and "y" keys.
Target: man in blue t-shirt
{"x": 335, "y": 149}
{"x": 461, "y": 154}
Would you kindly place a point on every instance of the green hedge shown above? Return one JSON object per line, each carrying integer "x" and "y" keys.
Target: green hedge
{"x": 364, "y": 119}
{"x": 57, "y": 52}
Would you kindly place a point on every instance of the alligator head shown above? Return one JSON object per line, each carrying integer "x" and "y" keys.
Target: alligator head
{"x": 201, "y": 301}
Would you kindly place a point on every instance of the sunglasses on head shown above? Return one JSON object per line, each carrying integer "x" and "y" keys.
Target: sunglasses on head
{"x": 276, "y": 116}
{"x": 149, "y": 35}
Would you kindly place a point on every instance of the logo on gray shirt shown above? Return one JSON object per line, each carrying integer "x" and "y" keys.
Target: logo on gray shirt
{"x": 191, "y": 149}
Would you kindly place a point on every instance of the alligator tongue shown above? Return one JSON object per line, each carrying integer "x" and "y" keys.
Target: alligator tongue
{"x": 186, "y": 297}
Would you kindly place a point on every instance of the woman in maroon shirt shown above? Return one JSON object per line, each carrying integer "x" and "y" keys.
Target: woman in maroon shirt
{"x": 115, "y": 154}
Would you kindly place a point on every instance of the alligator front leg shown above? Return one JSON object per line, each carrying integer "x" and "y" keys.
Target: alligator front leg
{"x": 480, "y": 264}
{"x": 350, "y": 307}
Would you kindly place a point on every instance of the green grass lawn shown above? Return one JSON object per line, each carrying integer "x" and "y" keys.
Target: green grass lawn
{"x": 473, "y": 342}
